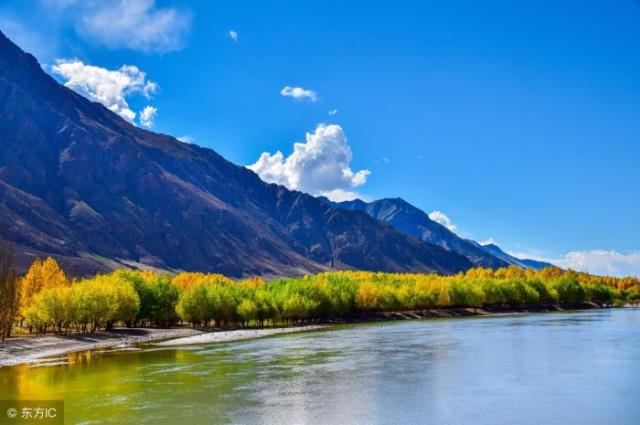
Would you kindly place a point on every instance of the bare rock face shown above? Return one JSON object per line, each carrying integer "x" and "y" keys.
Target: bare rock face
{"x": 80, "y": 183}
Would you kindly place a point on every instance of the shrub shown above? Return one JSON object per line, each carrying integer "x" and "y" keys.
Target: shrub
{"x": 570, "y": 291}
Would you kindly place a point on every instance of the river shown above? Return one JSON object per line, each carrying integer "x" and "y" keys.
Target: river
{"x": 552, "y": 368}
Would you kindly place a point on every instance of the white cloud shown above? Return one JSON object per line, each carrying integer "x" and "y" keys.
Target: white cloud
{"x": 489, "y": 241}
{"x": 603, "y": 262}
{"x": 332, "y": 112}
{"x": 598, "y": 262}
{"x": 186, "y": 139}
{"x": 320, "y": 166}
{"x": 134, "y": 24}
{"x": 339, "y": 195}
{"x": 148, "y": 115}
{"x": 109, "y": 87}
{"x": 383, "y": 160}
{"x": 440, "y": 217}
{"x": 299, "y": 93}
{"x": 233, "y": 35}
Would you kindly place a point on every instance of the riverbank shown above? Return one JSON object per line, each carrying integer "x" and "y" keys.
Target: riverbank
{"x": 29, "y": 349}
{"x": 442, "y": 313}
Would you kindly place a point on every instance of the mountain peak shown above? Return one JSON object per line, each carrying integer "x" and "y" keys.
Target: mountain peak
{"x": 15, "y": 62}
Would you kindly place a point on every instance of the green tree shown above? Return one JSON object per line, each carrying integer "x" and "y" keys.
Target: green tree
{"x": 247, "y": 310}
{"x": 158, "y": 297}
{"x": 196, "y": 305}
{"x": 600, "y": 294}
{"x": 570, "y": 291}
{"x": 466, "y": 294}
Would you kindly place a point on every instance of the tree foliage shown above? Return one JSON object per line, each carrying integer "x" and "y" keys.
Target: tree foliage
{"x": 146, "y": 298}
{"x": 88, "y": 305}
{"x": 41, "y": 275}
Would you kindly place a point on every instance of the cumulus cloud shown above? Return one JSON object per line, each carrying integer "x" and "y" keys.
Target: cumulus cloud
{"x": 603, "y": 262}
{"x": 109, "y": 87}
{"x": 320, "y": 166}
{"x": 599, "y": 262}
{"x": 299, "y": 93}
{"x": 233, "y": 35}
{"x": 148, "y": 115}
{"x": 134, "y": 24}
{"x": 440, "y": 217}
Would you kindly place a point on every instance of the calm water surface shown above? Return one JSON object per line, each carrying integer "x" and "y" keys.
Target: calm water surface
{"x": 556, "y": 368}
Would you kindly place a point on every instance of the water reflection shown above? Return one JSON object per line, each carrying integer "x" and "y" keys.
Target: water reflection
{"x": 531, "y": 369}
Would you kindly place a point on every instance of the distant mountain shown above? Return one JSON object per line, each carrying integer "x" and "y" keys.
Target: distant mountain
{"x": 499, "y": 253}
{"x": 414, "y": 222}
{"x": 80, "y": 183}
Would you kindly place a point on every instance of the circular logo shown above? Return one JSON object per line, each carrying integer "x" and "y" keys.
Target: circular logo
{"x": 12, "y": 413}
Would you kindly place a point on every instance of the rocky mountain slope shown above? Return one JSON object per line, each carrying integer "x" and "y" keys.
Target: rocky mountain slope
{"x": 80, "y": 183}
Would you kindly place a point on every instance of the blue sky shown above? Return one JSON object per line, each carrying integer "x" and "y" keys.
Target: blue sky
{"x": 519, "y": 121}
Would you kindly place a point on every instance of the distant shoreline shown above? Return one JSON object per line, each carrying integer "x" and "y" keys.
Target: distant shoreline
{"x": 31, "y": 349}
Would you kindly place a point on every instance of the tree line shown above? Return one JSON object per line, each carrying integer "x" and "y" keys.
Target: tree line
{"x": 45, "y": 300}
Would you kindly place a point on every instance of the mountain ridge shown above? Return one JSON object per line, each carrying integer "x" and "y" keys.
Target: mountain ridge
{"x": 82, "y": 184}
{"x": 520, "y": 262}
{"x": 414, "y": 222}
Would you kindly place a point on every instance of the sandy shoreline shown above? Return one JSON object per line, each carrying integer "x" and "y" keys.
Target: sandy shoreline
{"x": 32, "y": 349}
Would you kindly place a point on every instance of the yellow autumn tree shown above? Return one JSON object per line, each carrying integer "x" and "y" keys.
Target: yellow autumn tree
{"x": 367, "y": 296}
{"x": 187, "y": 280}
{"x": 41, "y": 275}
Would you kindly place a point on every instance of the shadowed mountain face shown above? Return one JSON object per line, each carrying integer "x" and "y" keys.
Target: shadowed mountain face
{"x": 416, "y": 223}
{"x": 80, "y": 183}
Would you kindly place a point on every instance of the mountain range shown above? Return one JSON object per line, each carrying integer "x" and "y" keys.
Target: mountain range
{"x": 414, "y": 222}
{"x": 80, "y": 183}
